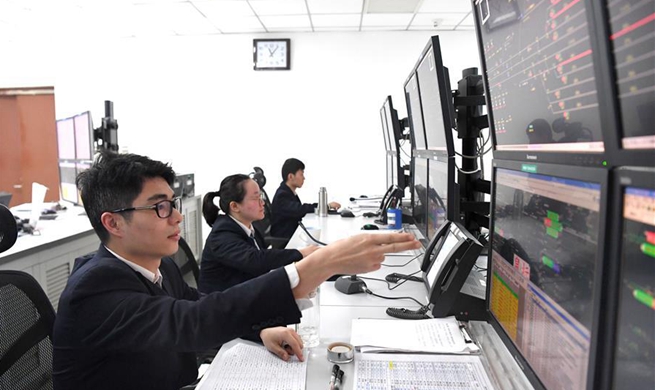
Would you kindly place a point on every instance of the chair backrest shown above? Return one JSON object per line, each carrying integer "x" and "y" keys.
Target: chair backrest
{"x": 187, "y": 263}
{"x": 26, "y": 323}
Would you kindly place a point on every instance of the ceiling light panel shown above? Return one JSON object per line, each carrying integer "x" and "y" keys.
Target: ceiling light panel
{"x": 381, "y": 20}
{"x": 391, "y": 6}
{"x": 446, "y": 6}
{"x": 441, "y": 19}
{"x": 351, "y": 20}
{"x": 290, "y": 21}
{"x": 279, "y": 7}
{"x": 335, "y": 6}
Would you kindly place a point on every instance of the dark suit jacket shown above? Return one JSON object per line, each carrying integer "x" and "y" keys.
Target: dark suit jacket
{"x": 117, "y": 330}
{"x": 287, "y": 211}
{"x": 230, "y": 257}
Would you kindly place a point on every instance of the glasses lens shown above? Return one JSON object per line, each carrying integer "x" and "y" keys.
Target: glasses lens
{"x": 177, "y": 204}
{"x": 164, "y": 208}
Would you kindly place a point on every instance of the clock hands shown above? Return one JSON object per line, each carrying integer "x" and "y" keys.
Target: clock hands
{"x": 272, "y": 52}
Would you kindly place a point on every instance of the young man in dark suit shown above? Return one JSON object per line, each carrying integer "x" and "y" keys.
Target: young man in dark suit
{"x": 127, "y": 320}
{"x": 287, "y": 209}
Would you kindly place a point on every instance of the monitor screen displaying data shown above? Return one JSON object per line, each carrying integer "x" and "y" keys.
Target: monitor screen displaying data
{"x": 414, "y": 112}
{"x": 540, "y": 77}
{"x": 632, "y": 29}
{"x": 543, "y": 270}
{"x": 634, "y": 356}
{"x": 437, "y": 196}
{"x": 420, "y": 196}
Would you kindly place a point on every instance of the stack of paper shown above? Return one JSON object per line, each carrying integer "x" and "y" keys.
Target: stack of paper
{"x": 436, "y": 335}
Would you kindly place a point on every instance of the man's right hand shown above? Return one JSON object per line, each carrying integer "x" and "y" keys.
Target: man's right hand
{"x": 357, "y": 254}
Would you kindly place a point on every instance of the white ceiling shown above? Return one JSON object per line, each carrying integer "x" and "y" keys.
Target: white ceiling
{"x": 21, "y": 19}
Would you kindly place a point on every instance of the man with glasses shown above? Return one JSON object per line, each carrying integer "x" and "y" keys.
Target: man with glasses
{"x": 127, "y": 320}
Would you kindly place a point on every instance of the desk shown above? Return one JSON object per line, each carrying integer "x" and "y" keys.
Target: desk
{"x": 49, "y": 257}
{"x": 338, "y": 311}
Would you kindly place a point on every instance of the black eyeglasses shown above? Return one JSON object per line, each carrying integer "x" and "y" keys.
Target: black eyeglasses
{"x": 164, "y": 208}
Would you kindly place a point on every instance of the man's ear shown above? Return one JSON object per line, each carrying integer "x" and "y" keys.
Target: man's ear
{"x": 113, "y": 222}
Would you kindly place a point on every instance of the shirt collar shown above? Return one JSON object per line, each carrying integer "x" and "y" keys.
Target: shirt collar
{"x": 249, "y": 232}
{"x": 157, "y": 278}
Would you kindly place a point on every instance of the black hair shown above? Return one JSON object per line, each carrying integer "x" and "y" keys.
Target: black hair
{"x": 114, "y": 181}
{"x": 232, "y": 190}
{"x": 292, "y": 165}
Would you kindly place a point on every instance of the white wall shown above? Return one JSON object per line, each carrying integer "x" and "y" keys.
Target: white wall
{"x": 197, "y": 103}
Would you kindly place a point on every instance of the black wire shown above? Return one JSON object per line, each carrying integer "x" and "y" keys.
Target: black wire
{"x": 382, "y": 296}
{"x": 398, "y": 266}
{"x": 310, "y": 236}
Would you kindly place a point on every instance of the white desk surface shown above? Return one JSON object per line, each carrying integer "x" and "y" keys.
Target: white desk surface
{"x": 68, "y": 225}
{"x": 338, "y": 310}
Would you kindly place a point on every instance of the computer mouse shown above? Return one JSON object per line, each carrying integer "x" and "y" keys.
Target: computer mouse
{"x": 370, "y": 226}
{"x": 347, "y": 214}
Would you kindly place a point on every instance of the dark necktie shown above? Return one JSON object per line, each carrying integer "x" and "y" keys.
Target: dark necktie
{"x": 252, "y": 237}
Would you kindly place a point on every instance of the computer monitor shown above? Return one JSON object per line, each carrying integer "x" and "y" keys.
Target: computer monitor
{"x": 420, "y": 196}
{"x": 392, "y": 177}
{"x": 66, "y": 139}
{"x": 545, "y": 268}
{"x": 541, "y": 80}
{"x": 67, "y": 175}
{"x": 413, "y": 102}
{"x": 633, "y": 349}
{"x": 435, "y": 94}
{"x": 632, "y": 38}
{"x": 441, "y": 194}
{"x": 392, "y": 123}
{"x": 385, "y": 130}
{"x": 83, "y": 136}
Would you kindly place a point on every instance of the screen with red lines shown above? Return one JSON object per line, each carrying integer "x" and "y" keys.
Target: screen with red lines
{"x": 540, "y": 76}
{"x": 632, "y": 28}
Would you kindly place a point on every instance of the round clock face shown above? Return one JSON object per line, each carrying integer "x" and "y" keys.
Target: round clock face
{"x": 271, "y": 54}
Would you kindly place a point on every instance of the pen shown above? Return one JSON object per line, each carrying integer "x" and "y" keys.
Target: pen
{"x": 333, "y": 377}
{"x": 337, "y": 384}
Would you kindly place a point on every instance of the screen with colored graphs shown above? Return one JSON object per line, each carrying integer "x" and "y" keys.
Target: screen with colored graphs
{"x": 632, "y": 29}
{"x": 634, "y": 361}
{"x": 543, "y": 270}
{"x": 539, "y": 71}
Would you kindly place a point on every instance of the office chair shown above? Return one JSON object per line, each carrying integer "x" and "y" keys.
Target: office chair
{"x": 8, "y": 229}
{"x": 264, "y": 225}
{"x": 187, "y": 263}
{"x": 26, "y": 322}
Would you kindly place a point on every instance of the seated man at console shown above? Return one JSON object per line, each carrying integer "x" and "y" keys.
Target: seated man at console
{"x": 288, "y": 210}
{"x": 127, "y": 320}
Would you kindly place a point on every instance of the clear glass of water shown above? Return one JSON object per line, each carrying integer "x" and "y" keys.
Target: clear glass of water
{"x": 310, "y": 323}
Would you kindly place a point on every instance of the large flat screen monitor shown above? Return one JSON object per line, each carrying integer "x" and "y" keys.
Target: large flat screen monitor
{"x": 632, "y": 40}
{"x": 413, "y": 101}
{"x": 66, "y": 139}
{"x": 420, "y": 196}
{"x": 392, "y": 123}
{"x": 634, "y": 349}
{"x": 385, "y": 130}
{"x": 546, "y": 268}
{"x": 541, "y": 81}
{"x": 441, "y": 192}
{"x": 435, "y": 93}
{"x": 83, "y": 136}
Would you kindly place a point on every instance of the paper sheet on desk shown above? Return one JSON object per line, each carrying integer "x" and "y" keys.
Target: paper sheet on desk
{"x": 246, "y": 367}
{"x": 436, "y": 335}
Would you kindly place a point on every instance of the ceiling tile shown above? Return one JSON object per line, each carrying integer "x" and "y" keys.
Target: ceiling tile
{"x": 428, "y": 28}
{"x": 383, "y": 28}
{"x": 290, "y": 29}
{"x": 222, "y": 10}
{"x": 243, "y": 23}
{"x": 468, "y": 21}
{"x": 285, "y": 21}
{"x": 335, "y": 6}
{"x": 442, "y": 19}
{"x": 447, "y": 6}
{"x": 380, "y": 20}
{"x": 178, "y": 18}
{"x": 350, "y": 20}
{"x": 279, "y": 7}
{"x": 335, "y": 29}
{"x": 391, "y": 6}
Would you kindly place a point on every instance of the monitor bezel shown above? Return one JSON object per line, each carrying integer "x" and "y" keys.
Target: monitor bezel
{"x": 452, "y": 192}
{"x": 587, "y": 174}
{"x": 606, "y": 108}
{"x": 623, "y": 177}
{"x": 422, "y": 227}
{"x": 385, "y": 132}
{"x": 412, "y": 130}
{"x": 447, "y": 116}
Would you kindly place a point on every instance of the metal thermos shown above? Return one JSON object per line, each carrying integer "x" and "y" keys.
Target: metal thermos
{"x": 322, "y": 202}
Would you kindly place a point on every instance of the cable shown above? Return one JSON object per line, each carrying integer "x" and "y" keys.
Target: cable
{"x": 310, "y": 235}
{"x": 402, "y": 265}
{"x": 366, "y": 290}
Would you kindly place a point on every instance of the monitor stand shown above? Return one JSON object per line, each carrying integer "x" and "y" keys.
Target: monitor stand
{"x": 470, "y": 302}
